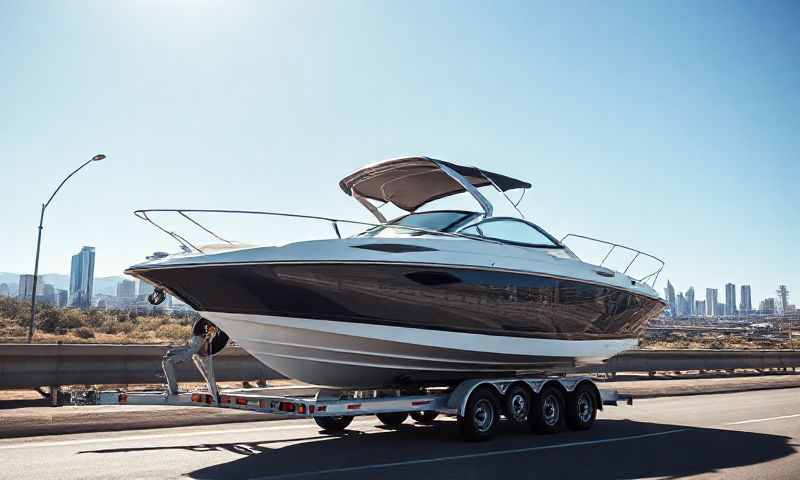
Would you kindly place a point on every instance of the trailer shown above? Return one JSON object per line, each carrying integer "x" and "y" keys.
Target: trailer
{"x": 543, "y": 404}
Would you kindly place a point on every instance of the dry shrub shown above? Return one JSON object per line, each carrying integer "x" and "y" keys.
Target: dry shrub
{"x": 174, "y": 332}
{"x": 84, "y": 333}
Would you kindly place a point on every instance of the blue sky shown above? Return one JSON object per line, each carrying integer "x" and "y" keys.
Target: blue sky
{"x": 669, "y": 126}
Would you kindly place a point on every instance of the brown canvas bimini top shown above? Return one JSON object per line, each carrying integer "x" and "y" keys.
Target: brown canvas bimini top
{"x": 411, "y": 182}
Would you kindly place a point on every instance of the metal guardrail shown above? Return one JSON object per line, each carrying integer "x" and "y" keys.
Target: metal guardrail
{"x": 32, "y": 366}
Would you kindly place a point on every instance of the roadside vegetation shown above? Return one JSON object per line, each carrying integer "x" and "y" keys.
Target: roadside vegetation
{"x": 89, "y": 326}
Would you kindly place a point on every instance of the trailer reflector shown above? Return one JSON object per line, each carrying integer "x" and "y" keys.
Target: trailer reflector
{"x": 417, "y": 403}
{"x": 321, "y": 408}
{"x": 354, "y": 406}
{"x": 301, "y": 409}
{"x": 196, "y": 397}
{"x": 241, "y": 401}
{"x": 225, "y": 399}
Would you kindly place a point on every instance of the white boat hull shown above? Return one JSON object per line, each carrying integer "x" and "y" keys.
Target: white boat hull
{"x": 345, "y": 354}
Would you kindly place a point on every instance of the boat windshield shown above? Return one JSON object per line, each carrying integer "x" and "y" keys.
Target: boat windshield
{"x": 442, "y": 221}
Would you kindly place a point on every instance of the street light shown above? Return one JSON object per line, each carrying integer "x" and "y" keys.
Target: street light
{"x": 96, "y": 158}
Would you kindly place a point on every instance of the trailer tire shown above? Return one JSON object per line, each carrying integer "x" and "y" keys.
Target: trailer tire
{"x": 334, "y": 424}
{"x": 481, "y": 415}
{"x": 518, "y": 400}
{"x": 548, "y": 413}
{"x": 582, "y": 407}
{"x": 392, "y": 419}
{"x": 425, "y": 418}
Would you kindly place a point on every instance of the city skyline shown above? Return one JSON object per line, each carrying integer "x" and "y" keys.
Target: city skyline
{"x": 679, "y": 305}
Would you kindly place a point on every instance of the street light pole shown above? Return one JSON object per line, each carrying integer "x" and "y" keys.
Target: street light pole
{"x": 96, "y": 158}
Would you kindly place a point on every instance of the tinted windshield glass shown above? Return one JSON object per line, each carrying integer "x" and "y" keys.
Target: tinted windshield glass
{"x": 510, "y": 230}
{"x": 439, "y": 221}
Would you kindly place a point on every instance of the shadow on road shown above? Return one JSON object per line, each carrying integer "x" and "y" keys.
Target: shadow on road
{"x": 605, "y": 452}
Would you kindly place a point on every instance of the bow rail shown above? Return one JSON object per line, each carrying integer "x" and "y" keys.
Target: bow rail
{"x": 650, "y": 279}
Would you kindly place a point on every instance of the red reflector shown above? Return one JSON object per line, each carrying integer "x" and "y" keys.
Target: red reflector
{"x": 354, "y": 406}
{"x": 420, "y": 402}
{"x": 123, "y": 398}
{"x": 321, "y": 408}
{"x": 286, "y": 407}
{"x": 241, "y": 401}
{"x": 225, "y": 399}
{"x": 301, "y": 409}
{"x": 196, "y": 397}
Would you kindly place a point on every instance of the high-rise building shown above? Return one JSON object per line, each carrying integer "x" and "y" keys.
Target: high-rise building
{"x": 745, "y": 301}
{"x": 669, "y": 295}
{"x": 4, "y": 290}
{"x": 126, "y": 289}
{"x": 783, "y": 300}
{"x": 81, "y": 278}
{"x": 690, "y": 302}
{"x": 711, "y": 302}
{"x": 700, "y": 307}
{"x": 730, "y": 299}
{"x": 145, "y": 288}
{"x": 26, "y": 285}
{"x": 680, "y": 305}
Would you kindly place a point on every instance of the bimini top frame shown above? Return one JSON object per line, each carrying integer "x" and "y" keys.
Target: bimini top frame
{"x": 411, "y": 182}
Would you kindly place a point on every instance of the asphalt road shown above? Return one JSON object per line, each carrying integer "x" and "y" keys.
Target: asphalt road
{"x": 737, "y": 436}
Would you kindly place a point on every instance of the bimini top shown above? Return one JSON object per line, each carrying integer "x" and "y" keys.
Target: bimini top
{"x": 411, "y": 182}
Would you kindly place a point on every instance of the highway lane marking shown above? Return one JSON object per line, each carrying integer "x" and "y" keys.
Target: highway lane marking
{"x": 756, "y": 420}
{"x": 87, "y": 441}
{"x": 470, "y": 455}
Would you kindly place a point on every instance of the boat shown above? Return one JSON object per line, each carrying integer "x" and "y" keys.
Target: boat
{"x": 431, "y": 297}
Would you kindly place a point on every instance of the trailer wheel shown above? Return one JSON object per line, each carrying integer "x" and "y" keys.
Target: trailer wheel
{"x": 481, "y": 415}
{"x": 548, "y": 413}
{"x": 334, "y": 424}
{"x": 581, "y": 408}
{"x": 518, "y": 404}
{"x": 425, "y": 418}
{"x": 392, "y": 419}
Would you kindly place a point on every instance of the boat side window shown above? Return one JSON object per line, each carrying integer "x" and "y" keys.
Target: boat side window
{"x": 511, "y": 230}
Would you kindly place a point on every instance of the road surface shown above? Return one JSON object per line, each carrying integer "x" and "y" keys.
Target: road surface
{"x": 737, "y": 436}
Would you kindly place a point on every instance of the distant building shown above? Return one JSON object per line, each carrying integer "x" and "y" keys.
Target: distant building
{"x": 26, "y": 285}
{"x": 48, "y": 295}
{"x": 711, "y": 302}
{"x": 63, "y": 298}
{"x": 126, "y": 289}
{"x": 730, "y": 299}
{"x": 690, "y": 302}
{"x": 783, "y": 300}
{"x": 669, "y": 295}
{"x": 4, "y": 290}
{"x": 680, "y": 305}
{"x": 145, "y": 288}
{"x": 700, "y": 307}
{"x": 720, "y": 309}
{"x": 767, "y": 306}
{"x": 745, "y": 302}
{"x": 81, "y": 278}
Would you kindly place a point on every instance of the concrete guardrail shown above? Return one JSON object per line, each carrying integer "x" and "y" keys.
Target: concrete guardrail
{"x": 31, "y": 366}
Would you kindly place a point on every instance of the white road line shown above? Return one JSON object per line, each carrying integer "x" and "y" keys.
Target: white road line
{"x": 756, "y": 420}
{"x": 159, "y": 436}
{"x": 469, "y": 456}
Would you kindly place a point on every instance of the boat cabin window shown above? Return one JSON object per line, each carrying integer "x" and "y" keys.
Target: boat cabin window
{"x": 511, "y": 230}
{"x": 441, "y": 221}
